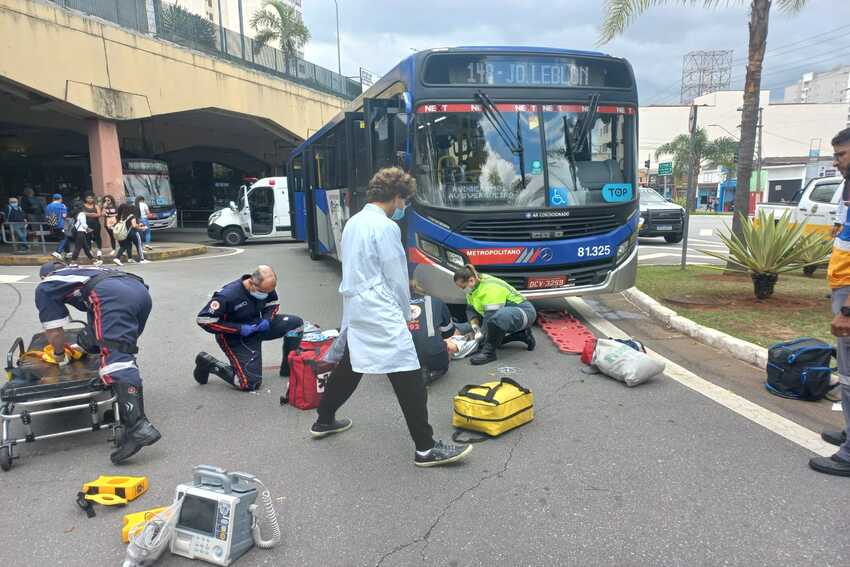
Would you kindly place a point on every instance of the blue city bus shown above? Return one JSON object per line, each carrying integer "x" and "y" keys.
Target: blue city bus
{"x": 525, "y": 161}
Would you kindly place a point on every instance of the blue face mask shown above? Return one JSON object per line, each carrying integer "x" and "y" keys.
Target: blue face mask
{"x": 398, "y": 214}
{"x": 261, "y": 295}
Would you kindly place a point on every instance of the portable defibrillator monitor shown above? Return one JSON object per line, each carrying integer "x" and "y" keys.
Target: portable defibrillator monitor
{"x": 214, "y": 524}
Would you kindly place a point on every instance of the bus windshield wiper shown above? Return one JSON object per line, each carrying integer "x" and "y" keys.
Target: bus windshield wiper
{"x": 513, "y": 140}
{"x": 574, "y": 140}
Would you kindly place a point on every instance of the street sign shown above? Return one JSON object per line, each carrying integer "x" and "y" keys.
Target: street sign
{"x": 665, "y": 168}
{"x": 367, "y": 78}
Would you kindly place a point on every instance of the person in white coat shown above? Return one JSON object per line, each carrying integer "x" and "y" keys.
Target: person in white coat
{"x": 374, "y": 338}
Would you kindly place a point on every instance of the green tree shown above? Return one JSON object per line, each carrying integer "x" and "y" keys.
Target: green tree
{"x": 181, "y": 26}
{"x": 719, "y": 152}
{"x": 277, "y": 22}
{"x": 620, "y": 13}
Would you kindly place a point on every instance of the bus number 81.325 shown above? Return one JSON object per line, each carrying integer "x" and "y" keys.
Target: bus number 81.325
{"x": 594, "y": 251}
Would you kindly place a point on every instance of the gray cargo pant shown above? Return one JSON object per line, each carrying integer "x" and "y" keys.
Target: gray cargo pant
{"x": 839, "y": 299}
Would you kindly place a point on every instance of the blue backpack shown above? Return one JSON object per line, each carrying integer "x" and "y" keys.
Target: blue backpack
{"x": 800, "y": 369}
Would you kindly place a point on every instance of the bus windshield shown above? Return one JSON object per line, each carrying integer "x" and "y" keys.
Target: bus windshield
{"x": 149, "y": 179}
{"x": 463, "y": 160}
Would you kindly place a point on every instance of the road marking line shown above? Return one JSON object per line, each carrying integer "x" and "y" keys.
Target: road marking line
{"x": 706, "y": 231}
{"x": 674, "y": 255}
{"x": 5, "y": 278}
{"x": 771, "y": 421}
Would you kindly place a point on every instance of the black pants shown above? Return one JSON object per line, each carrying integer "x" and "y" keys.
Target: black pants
{"x": 111, "y": 238}
{"x": 246, "y": 353}
{"x": 127, "y": 246}
{"x": 409, "y": 389}
{"x": 94, "y": 236}
{"x": 81, "y": 242}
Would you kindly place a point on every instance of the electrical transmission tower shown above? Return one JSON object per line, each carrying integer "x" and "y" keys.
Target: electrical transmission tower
{"x": 705, "y": 72}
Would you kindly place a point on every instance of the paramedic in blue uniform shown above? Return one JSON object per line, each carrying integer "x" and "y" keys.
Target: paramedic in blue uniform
{"x": 117, "y": 305}
{"x": 242, "y": 315}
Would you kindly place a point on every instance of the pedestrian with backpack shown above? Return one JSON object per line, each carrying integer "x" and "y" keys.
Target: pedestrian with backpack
{"x": 125, "y": 233}
{"x": 374, "y": 337}
{"x": 77, "y": 221}
{"x": 56, "y": 212}
{"x": 839, "y": 280}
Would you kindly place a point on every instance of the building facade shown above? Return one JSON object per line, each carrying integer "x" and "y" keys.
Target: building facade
{"x": 795, "y": 139}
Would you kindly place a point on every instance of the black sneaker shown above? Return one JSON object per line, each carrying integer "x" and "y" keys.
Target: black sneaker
{"x": 442, "y": 454}
{"x": 319, "y": 430}
{"x": 202, "y": 368}
{"x": 834, "y": 437}
{"x": 831, "y": 465}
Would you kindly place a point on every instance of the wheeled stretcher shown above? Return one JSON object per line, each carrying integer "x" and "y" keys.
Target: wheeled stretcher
{"x": 36, "y": 390}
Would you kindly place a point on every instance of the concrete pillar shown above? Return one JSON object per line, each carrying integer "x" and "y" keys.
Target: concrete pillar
{"x": 105, "y": 158}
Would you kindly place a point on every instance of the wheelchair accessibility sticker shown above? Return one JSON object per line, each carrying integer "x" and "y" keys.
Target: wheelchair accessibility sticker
{"x": 617, "y": 192}
{"x": 558, "y": 197}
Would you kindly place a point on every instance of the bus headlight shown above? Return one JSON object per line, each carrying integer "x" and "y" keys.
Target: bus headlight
{"x": 214, "y": 217}
{"x": 430, "y": 248}
{"x": 625, "y": 247}
{"x": 455, "y": 259}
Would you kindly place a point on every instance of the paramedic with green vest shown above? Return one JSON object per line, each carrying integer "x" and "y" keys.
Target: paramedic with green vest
{"x": 507, "y": 315}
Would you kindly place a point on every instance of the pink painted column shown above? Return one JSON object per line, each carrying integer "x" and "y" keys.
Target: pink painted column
{"x": 105, "y": 159}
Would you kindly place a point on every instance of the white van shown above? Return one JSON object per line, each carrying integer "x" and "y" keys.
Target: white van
{"x": 261, "y": 214}
{"x": 815, "y": 205}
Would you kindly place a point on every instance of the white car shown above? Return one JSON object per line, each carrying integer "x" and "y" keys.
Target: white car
{"x": 262, "y": 213}
{"x": 815, "y": 205}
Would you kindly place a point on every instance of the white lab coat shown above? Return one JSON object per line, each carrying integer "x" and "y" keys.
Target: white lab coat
{"x": 376, "y": 296}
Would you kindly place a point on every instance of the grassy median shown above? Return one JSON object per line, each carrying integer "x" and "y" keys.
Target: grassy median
{"x": 799, "y": 306}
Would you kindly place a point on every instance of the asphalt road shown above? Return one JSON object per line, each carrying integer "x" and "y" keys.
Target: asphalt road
{"x": 702, "y": 235}
{"x": 604, "y": 475}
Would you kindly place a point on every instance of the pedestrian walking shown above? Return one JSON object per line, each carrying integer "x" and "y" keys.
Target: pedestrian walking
{"x": 32, "y": 206}
{"x": 374, "y": 337}
{"x": 81, "y": 234}
{"x": 127, "y": 217}
{"x": 839, "y": 280}
{"x": 145, "y": 218}
{"x": 93, "y": 214}
{"x": 16, "y": 219}
{"x": 56, "y": 212}
{"x": 110, "y": 216}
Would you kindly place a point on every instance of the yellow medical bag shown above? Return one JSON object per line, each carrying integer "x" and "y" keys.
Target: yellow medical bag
{"x": 493, "y": 407}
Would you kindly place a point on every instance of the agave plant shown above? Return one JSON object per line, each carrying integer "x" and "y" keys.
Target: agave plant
{"x": 768, "y": 247}
{"x": 817, "y": 250}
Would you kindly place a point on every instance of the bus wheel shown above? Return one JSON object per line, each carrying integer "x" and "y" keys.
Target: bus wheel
{"x": 233, "y": 236}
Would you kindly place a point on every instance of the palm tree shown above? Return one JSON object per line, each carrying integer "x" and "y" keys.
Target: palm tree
{"x": 620, "y": 13}
{"x": 719, "y": 152}
{"x": 279, "y": 22}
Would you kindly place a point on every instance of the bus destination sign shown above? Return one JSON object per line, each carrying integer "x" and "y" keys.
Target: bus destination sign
{"x": 525, "y": 71}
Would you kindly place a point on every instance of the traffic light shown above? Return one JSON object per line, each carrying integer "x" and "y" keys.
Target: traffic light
{"x": 646, "y": 164}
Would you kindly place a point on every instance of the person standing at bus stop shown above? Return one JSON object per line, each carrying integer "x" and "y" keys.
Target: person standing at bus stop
{"x": 374, "y": 337}
{"x": 839, "y": 280}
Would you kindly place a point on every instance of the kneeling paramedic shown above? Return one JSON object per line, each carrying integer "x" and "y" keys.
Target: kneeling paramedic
{"x": 117, "y": 305}
{"x": 242, "y": 315}
{"x": 430, "y": 323}
{"x": 507, "y": 315}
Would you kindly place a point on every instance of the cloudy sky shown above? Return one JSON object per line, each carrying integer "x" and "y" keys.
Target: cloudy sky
{"x": 376, "y": 34}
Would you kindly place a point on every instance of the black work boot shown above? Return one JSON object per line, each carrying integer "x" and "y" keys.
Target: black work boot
{"x": 289, "y": 345}
{"x": 206, "y": 364}
{"x": 523, "y": 337}
{"x": 833, "y": 465}
{"x": 137, "y": 431}
{"x": 492, "y": 341}
{"x": 834, "y": 437}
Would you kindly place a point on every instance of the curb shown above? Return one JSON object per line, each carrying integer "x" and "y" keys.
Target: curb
{"x": 740, "y": 349}
{"x": 154, "y": 255}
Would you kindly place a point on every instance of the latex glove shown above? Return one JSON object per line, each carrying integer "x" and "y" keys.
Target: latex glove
{"x": 478, "y": 334}
{"x": 263, "y": 326}
{"x": 247, "y": 330}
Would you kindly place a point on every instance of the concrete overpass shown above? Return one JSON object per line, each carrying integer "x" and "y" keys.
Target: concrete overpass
{"x": 76, "y": 85}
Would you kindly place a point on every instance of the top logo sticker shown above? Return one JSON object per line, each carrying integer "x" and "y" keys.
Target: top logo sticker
{"x": 617, "y": 192}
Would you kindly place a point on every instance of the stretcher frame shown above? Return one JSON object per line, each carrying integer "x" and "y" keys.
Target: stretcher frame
{"x": 39, "y": 400}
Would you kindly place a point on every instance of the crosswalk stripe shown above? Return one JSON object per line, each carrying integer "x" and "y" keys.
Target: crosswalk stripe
{"x": 5, "y": 278}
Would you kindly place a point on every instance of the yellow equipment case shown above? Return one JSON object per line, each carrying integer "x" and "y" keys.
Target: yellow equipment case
{"x": 493, "y": 407}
